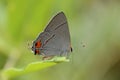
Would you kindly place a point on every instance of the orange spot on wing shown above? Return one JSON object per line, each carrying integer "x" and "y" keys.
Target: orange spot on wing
{"x": 38, "y": 44}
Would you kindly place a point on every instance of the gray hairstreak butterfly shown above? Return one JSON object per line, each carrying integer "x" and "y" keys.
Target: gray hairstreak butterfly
{"x": 55, "y": 39}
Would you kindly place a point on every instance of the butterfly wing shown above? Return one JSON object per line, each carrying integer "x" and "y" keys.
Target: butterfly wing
{"x": 59, "y": 41}
{"x": 56, "y": 21}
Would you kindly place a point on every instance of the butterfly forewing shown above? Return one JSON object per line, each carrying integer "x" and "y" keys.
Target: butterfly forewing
{"x": 56, "y": 21}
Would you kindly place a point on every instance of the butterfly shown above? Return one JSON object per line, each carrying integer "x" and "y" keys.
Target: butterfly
{"x": 55, "y": 39}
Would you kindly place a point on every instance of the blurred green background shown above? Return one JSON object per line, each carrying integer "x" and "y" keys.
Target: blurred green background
{"x": 95, "y": 34}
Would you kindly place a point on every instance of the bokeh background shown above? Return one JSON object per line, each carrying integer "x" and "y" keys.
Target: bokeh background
{"x": 95, "y": 34}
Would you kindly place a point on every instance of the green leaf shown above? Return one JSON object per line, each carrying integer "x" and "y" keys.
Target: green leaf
{"x": 32, "y": 67}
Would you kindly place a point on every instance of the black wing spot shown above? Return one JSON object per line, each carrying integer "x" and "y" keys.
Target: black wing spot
{"x": 71, "y": 49}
